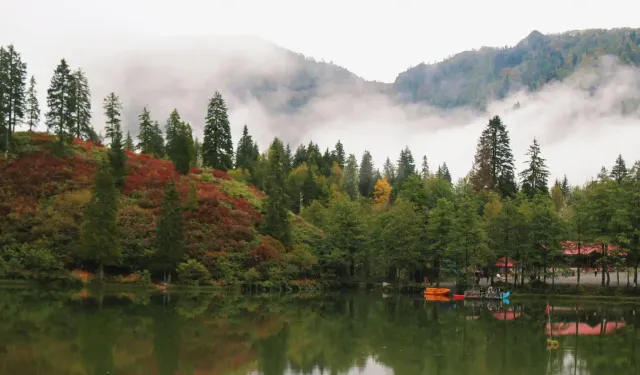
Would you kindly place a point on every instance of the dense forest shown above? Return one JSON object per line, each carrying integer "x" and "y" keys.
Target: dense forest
{"x": 205, "y": 211}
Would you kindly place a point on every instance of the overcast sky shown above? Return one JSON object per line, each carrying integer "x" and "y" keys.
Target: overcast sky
{"x": 374, "y": 39}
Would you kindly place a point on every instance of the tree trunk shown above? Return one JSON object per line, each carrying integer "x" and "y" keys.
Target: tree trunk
{"x": 635, "y": 275}
{"x": 553, "y": 277}
{"x": 101, "y": 272}
{"x": 579, "y": 247}
{"x": 169, "y": 279}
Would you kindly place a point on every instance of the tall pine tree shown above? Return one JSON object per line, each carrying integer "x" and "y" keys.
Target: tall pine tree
{"x": 619, "y": 171}
{"x": 339, "y": 154}
{"x": 59, "y": 118}
{"x": 276, "y": 217}
{"x": 146, "y": 133}
{"x": 117, "y": 157}
{"x": 425, "y": 173}
{"x": 13, "y": 80}
{"x": 81, "y": 98}
{"x": 99, "y": 233}
{"x": 389, "y": 171}
{"x": 535, "y": 177}
{"x": 367, "y": 179}
{"x": 33, "y": 107}
{"x": 350, "y": 181}
{"x": 493, "y": 164}
{"x": 217, "y": 147}
{"x": 169, "y": 233}
{"x": 128, "y": 143}
{"x": 245, "y": 157}
{"x": 308, "y": 188}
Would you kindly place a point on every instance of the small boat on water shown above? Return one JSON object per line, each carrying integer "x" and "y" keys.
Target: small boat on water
{"x": 490, "y": 293}
{"x": 437, "y": 291}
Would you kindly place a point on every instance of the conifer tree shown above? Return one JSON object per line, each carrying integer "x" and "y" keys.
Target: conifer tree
{"x": 59, "y": 118}
{"x": 159, "y": 148}
{"x": 300, "y": 157}
{"x": 184, "y": 154}
{"x": 339, "y": 154}
{"x": 169, "y": 233}
{"x": 33, "y": 107}
{"x": 389, "y": 172}
{"x": 146, "y": 134}
{"x": 99, "y": 233}
{"x": 128, "y": 143}
{"x": 308, "y": 188}
{"x": 198, "y": 152}
{"x": 619, "y": 171}
{"x": 565, "y": 186}
{"x": 112, "y": 111}
{"x": 217, "y": 147}
{"x": 327, "y": 163}
{"x": 245, "y": 158}
{"x": 443, "y": 172}
{"x": 367, "y": 179}
{"x": 493, "y": 164}
{"x": 13, "y": 76}
{"x": 288, "y": 156}
{"x": 534, "y": 177}
{"x": 350, "y": 181}
{"x": 406, "y": 166}
{"x": 81, "y": 98}
{"x": 424, "y": 171}
{"x": 276, "y": 217}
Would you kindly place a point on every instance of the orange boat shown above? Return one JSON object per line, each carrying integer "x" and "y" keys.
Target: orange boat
{"x": 437, "y": 291}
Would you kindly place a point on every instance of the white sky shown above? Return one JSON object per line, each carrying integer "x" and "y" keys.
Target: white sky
{"x": 374, "y": 39}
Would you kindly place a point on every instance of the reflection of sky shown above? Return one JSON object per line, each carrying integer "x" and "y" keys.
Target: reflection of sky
{"x": 371, "y": 367}
{"x": 568, "y": 365}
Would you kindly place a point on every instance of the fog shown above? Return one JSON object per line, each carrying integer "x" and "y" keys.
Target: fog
{"x": 579, "y": 128}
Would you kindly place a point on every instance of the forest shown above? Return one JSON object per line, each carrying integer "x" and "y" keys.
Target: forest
{"x": 76, "y": 202}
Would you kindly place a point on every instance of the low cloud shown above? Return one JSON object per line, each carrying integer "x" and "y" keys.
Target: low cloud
{"x": 579, "y": 122}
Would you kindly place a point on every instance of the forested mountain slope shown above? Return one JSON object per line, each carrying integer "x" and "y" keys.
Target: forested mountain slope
{"x": 472, "y": 78}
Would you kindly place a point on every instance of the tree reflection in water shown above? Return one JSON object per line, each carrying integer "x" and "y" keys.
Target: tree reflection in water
{"x": 226, "y": 334}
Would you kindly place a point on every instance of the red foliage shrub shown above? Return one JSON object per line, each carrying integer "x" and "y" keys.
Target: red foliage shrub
{"x": 195, "y": 171}
{"x": 258, "y": 193}
{"x": 267, "y": 250}
{"x": 220, "y": 174}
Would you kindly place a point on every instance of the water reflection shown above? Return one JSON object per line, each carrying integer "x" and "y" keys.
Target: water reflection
{"x": 204, "y": 334}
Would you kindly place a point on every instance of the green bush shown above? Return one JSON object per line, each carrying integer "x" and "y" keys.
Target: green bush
{"x": 144, "y": 277}
{"x": 20, "y": 257}
{"x": 193, "y": 272}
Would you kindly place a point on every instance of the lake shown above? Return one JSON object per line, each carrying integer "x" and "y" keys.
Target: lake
{"x": 189, "y": 333}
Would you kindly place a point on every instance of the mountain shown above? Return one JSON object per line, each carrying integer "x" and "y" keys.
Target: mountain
{"x": 265, "y": 79}
{"x": 473, "y": 78}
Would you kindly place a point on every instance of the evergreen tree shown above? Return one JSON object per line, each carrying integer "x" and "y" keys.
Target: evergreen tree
{"x": 81, "y": 98}
{"x": 33, "y": 107}
{"x": 61, "y": 108}
{"x": 99, "y": 233}
{"x": 288, "y": 156}
{"x": 565, "y": 186}
{"x": 339, "y": 154}
{"x": 217, "y": 148}
{"x": 180, "y": 147}
{"x": 493, "y": 164}
{"x": 367, "y": 179}
{"x": 619, "y": 171}
{"x": 13, "y": 81}
{"x": 245, "y": 157}
{"x": 443, "y": 172}
{"x": 327, "y": 163}
{"x": 389, "y": 171}
{"x": 308, "y": 188}
{"x": 198, "y": 152}
{"x": 425, "y": 173}
{"x": 534, "y": 177}
{"x": 169, "y": 233}
{"x": 146, "y": 135}
{"x": 276, "y": 217}
{"x": 350, "y": 181}
{"x": 300, "y": 157}
{"x": 128, "y": 143}
{"x": 406, "y": 166}
{"x": 159, "y": 149}
{"x": 112, "y": 111}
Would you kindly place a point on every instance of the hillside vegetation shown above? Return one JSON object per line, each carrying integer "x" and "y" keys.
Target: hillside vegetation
{"x": 44, "y": 197}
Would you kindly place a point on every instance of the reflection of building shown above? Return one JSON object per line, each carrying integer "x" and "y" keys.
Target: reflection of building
{"x": 574, "y": 328}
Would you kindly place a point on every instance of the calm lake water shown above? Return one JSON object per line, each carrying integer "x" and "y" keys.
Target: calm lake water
{"x": 50, "y": 333}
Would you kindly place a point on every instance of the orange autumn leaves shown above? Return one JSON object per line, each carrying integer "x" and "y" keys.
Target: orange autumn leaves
{"x": 382, "y": 192}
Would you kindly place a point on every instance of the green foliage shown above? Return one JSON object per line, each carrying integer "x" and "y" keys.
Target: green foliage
{"x": 59, "y": 118}
{"x": 180, "y": 147}
{"x": 276, "y": 223}
{"x": 193, "y": 272}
